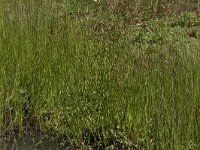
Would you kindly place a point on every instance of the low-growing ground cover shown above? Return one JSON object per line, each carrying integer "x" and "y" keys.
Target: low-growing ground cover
{"x": 101, "y": 78}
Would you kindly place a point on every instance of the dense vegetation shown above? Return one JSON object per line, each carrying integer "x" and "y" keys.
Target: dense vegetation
{"x": 102, "y": 74}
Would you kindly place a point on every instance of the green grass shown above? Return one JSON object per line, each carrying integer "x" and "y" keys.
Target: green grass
{"x": 97, "y": 79}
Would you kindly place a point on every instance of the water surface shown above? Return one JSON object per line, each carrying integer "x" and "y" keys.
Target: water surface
{"x": 33, "y": 140}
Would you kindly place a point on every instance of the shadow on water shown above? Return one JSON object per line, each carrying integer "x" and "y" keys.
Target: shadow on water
{"x": 33, "y": 140}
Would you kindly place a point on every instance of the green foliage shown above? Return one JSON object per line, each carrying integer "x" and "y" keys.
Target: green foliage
{"x": 102, "y": 79}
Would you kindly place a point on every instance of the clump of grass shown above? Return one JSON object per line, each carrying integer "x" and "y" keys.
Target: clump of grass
{"x": 134, "y": 87}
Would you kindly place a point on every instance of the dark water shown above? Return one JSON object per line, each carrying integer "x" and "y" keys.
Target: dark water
{"x": 34, "y": 141}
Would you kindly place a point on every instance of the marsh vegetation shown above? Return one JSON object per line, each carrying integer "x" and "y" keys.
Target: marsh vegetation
{"x": 101, "y": 74}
